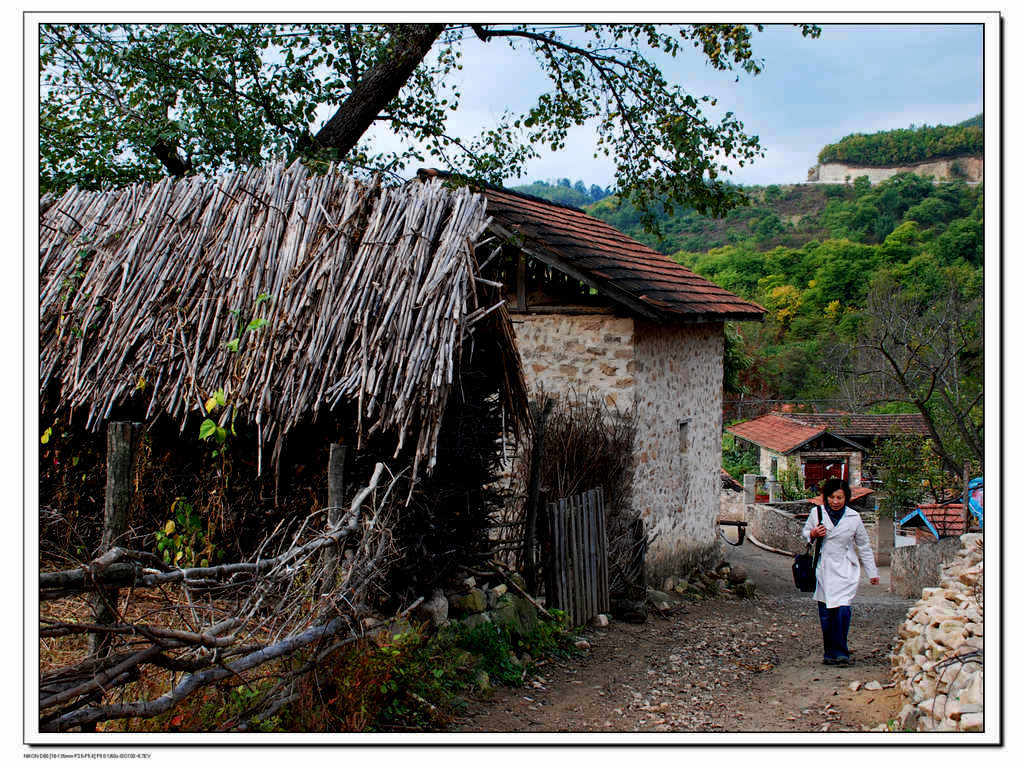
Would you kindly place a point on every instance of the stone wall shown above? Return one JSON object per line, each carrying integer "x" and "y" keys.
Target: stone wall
{"x": 674, "y": 375}
{"x": 782, "y": 462}
{"x": 917, "y": 567}
{"x": 938, "y": 659}
{"x": 679, "y": 443}
{"x": 776, "y": 528}
{"x": 942, "y": 170}
{"x": 582, "y": 352}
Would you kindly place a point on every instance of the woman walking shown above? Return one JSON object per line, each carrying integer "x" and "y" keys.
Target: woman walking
{"x": 844, "y": 547}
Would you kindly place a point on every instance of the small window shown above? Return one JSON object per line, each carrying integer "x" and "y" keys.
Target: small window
{"x": 775, "y": 468}
{"x": 684, "y": 436}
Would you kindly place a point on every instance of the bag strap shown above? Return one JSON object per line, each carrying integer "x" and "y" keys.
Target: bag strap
{"x": 817, "y": 542}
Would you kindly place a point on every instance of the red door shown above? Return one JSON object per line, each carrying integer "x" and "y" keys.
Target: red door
{"x": 816, "y": 470}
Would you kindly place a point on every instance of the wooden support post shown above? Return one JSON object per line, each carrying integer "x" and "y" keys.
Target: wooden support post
{"x": 335, "y": 505}
{"x": 967, "y": 505}
{"x": 116, "y": 504}
{"x": 521, "y": 281}
{"x": 336, "y": 484}
{"x": 540, "y": 418}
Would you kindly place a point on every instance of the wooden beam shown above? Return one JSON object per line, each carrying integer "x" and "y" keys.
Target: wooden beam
{"x": 521, "y": 281}
{"x": 552, "y": 309}
{"x": 607, "y": 289}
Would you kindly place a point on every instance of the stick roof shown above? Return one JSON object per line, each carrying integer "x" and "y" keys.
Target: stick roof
{"x": 287, "y": 291}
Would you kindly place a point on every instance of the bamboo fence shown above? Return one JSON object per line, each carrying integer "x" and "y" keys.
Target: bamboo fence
{"x": 287, "y": 291}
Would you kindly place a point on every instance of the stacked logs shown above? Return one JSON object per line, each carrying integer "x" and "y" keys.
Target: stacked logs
{"x": 938, "y": 660}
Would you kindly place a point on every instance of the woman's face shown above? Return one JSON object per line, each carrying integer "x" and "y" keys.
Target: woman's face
{"x": 837, "y": 499}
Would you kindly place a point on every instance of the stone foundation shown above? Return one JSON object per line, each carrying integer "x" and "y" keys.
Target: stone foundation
{"x": 681, "y": 559}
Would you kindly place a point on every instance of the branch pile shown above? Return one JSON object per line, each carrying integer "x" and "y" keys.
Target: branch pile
{"x": 285, "y": 291}
{"x": 237, "y": 617}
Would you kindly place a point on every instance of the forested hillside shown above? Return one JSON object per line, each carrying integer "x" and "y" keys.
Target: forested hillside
{"x": 817, "y": 256}
{"x": 565, "y": 192}
{"x": 907, "y": 145}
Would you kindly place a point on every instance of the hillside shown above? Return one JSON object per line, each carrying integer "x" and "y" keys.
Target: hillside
{"x": 787, "y": 215}
{"x": 565, "y": 192}
{"x": 812, "y": 254}
{"x": 907, "y": 145}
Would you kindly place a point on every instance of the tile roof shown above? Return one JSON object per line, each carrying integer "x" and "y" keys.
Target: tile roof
{"x": 728, "y": 481}
{"x": 596, "y": 249}
{"x": 877, "y": 424}
{"x": 948, "y": 519}
{"x": 856, "y": 493}
{"x": 776, "y": 432}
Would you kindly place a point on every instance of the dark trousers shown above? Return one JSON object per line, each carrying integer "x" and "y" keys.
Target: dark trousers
{"x": 835, "y": 626}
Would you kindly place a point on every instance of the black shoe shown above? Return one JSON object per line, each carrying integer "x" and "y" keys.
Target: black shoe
{"x": 843, "y": 661}
{"x": 829, "y": 662}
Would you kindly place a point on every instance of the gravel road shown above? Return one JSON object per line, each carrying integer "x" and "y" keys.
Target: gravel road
{"x": 718, "y": 665}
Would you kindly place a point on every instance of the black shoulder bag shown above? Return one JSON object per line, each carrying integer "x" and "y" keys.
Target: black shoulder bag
{"x": 805, "y": 564}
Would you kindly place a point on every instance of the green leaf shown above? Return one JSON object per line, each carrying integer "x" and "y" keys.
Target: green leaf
{"x": 222, "y": 435}
{"x": 256, "y": 323}
{"x": 232, "y": 346}
{"x": 207, "y": 428}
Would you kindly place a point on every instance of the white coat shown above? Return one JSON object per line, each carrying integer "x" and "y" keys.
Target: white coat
{"x": 845, "y": 547}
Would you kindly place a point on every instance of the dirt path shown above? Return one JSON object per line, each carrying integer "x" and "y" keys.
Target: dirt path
{"x": 718, "y": 665}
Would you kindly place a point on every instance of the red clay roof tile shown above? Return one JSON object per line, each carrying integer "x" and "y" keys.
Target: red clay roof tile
{"x": 877, "y": 424}
{"x": 948, "y": 519}
{"x": 857, "y": 492}
{"x": 776, "y": 432}
{"x": 596, "y": 248}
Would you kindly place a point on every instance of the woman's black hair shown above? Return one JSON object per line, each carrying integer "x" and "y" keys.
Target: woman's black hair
{"x": 834, "y": 484}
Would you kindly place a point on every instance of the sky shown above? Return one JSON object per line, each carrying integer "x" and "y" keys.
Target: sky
{"x": 853, "y": 79}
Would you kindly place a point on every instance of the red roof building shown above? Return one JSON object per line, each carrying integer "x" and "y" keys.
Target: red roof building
{"x": 776, "y": 432}
{"x": 823, "y": 445}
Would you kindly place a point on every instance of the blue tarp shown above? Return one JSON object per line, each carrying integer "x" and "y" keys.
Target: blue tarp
{"x": 976, "y": 499}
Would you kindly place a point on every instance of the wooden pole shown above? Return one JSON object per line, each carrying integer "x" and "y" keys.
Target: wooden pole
{"x": 116, "y": 504}
{"x": 966, "y": 511}
{"x": 533, "y": 495}
{"x": 335, "y": 505}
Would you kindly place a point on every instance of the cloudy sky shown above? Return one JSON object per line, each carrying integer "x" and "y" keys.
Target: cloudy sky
{"x": 854, "y": 78}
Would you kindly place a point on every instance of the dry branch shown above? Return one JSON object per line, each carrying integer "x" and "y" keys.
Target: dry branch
{"x": 269, "y": 617}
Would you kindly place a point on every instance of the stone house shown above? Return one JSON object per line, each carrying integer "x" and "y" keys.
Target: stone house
{"x": 595, "y": 311}
{"x": 823, "y": 445}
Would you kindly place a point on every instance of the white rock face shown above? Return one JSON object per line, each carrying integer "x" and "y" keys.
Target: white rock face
{"x": 935, "y": 663}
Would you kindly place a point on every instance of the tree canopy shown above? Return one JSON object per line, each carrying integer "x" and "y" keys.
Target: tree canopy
{"x": 129, "y": 102}
{"x": 907, "y": 145}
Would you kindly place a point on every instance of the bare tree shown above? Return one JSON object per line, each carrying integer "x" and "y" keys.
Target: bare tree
{"x": 928, "y": 351}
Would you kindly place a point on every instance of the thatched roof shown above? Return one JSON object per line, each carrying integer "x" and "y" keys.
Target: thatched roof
{"x": 349, "y": 291}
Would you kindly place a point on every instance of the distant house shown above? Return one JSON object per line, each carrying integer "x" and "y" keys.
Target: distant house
{"x": 823, "y": 445}
{"x": 594, "y": 310}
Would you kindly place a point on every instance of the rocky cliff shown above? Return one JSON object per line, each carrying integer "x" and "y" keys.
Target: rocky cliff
{"x": 970, "y": 168}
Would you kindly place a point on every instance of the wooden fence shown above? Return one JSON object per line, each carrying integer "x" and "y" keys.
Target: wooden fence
{"x": 577, "y": 573}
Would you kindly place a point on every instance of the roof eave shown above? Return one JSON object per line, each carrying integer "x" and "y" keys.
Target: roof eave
{"x": 546, "y": 256}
